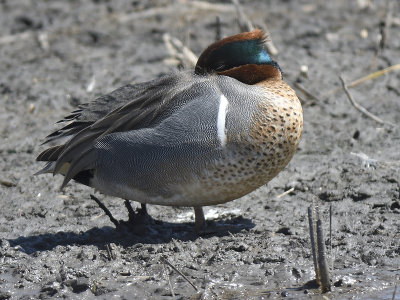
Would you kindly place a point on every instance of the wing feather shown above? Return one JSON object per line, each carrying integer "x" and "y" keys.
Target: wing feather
{"x": 132, "y": 108}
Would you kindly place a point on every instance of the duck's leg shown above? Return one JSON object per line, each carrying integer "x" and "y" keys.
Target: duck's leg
{"x": 132, "y": 215}
{"x": 199, "y": 220}
{"x": 143, "y": 209}
{"x": 131, "y": 212}
{"x": 106, "y": 211}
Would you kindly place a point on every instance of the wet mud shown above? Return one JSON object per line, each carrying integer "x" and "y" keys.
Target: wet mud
{"x": 57, "y": 54}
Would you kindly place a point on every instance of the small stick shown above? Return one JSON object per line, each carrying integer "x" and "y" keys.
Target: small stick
{"x": 110, "y": 253}
{"x": 318, "y": 248}
{"x": 180, "y": 7}
{"x": 217, "y": 28}
{"x": 363, "y": 79}
{"x": 43, "y": 39}
{"x": 285, "y": 193}
{"x": 359, "y": 107}
{"x": 323, "y": 266}
{"x": 394, "y": 292}
{"x": 169, "y": 281}
{"x": 105, "y": 209}
{"x": 222, "y": 8}
{"x": 388, "y": 23}
{"x": 243, "y": 21}
{"x": 245, "y": 24}
{"x": 384, "y": 27}
{"x": 374, "y": 75}
{"x": 330, "y": 235}
{"x": 305, "y": 91}
{"x": 312, "y": 237}
{"x": 176, "y": 49}
{"x": 7, "y": 39}
{"x": 180, "y": 273}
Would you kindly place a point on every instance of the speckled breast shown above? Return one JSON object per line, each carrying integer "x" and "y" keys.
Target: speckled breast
{"x": 254, "y": 158}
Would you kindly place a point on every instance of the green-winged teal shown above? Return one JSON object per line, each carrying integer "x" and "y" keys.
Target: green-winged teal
{"x": 188, "y": 138}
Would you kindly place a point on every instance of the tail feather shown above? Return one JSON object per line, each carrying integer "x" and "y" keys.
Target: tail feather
{"x": 82, "y": 163}
{"x": 48, "y": 168}
{"x": 75, "y": 148}
{"x": 51, "y": 154}
{"x": 67, "y": 131}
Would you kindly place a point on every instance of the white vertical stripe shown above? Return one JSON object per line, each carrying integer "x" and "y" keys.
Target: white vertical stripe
{"x": 223, "y": 104}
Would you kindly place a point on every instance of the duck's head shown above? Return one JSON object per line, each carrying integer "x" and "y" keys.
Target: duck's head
{"x": 242, "y": 56}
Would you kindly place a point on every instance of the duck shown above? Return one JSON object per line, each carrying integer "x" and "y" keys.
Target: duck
{"x": 190, "y": 138}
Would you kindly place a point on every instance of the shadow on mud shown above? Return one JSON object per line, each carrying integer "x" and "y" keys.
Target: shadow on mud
{"x": 157, "y": 233}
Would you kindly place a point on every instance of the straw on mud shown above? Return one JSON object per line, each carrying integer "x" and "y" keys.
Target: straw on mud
{"x": 179, "y": 272}
{"x": 363, "y": 79}
{"x": 182, "y": 7}
{"x": 374, "y": 75}
{"x": 105, "y": 209}
{"x": 285, "y": 193}
{"x": 179, "y": 51}
{"x": 15, "y": 38}
{"x": 359, "y": 107}
{"x": 245, "y": 24}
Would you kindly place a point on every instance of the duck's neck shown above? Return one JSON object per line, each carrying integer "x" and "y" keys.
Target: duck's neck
{"x": 252, "y": 73}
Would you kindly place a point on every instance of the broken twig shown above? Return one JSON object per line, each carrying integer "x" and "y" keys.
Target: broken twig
{"x": 330, "y": 235}
{"x": 323, "y": 266}
{"x": 306, "y": 92}
{"x": 243, "y": 21}
{"x": 318, "y": 249}
{"x": 179, "y": 272}
{"x": 363, "y": 79}
{"x": 218, "y": 34}
{"x": 285, "y": 193}
{"x": 180, "y": 7}
{"x": 169, "y": 281}
{"x": 359, "y": 107}
{"x": 245, "y": 24}
{"x": 313, "y": 243}
{"x": 179, "y": 51}
{"x": 384, "y": 27}
{"x": 110, "y": 253}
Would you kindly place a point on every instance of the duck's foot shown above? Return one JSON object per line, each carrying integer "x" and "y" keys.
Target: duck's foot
{"x": 199, "y": 220}
{"x": 140, "y": 216}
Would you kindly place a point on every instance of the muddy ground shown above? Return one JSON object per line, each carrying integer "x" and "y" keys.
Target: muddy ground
{"x": 57, "y": 54}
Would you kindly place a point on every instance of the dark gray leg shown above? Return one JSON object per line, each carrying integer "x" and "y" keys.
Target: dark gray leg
{"x": 143, "y": 209}
{"x": 131, "y": 212}
{"x": 105, "y": 209}
{"x": 199, "y": 220}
